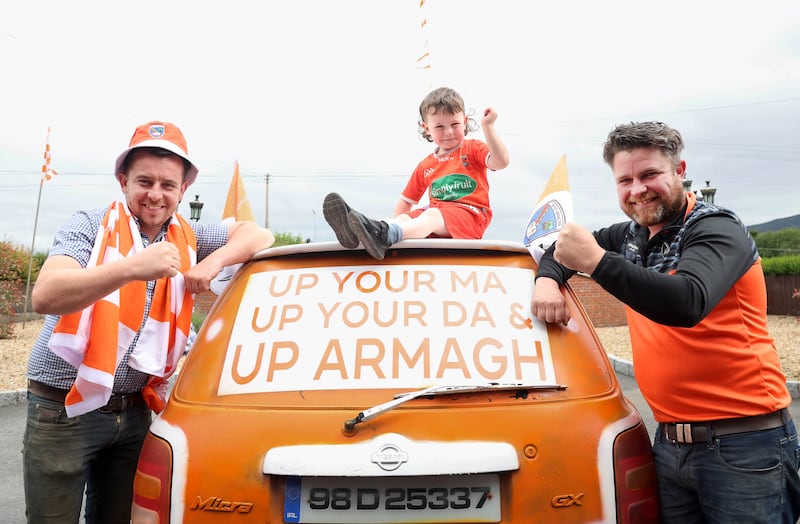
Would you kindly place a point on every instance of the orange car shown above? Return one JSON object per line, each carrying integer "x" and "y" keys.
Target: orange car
{"x": 328, "y": 387}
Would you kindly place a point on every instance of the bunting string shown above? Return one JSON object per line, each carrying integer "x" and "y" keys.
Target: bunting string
{"x": 424, "y": 60}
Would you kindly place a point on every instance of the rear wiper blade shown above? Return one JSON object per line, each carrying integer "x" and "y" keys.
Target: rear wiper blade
{"x": 493, "y": 386}
{"x": 367, "y": 414}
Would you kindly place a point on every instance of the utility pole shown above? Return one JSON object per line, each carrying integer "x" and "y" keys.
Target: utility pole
{"x": 266, "y": 204}
{"x": 314, "y": 212}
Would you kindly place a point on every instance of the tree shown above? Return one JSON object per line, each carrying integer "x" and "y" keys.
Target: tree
{"x": 13, "y": 265}
{"x": 785, "y": 242}
{"x": 287, "y": 239}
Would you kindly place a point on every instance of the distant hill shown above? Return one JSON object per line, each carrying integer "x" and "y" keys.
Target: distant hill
{"x": 777, "y": 224}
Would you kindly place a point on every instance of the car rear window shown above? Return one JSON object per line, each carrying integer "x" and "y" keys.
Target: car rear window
{"x": 338, "y": 325}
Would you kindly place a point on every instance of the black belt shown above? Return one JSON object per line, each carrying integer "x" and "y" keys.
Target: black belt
{"x": 690, "y": 432}
{"x": 117, "y": 403}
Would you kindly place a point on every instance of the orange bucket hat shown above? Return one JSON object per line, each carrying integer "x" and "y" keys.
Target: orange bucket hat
{"x": 159, "y": 134}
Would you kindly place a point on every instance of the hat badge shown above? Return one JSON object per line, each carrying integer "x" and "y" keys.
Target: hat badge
{"x": 156, "y": 131}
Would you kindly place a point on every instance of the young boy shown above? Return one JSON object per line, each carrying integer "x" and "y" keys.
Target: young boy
{"x": 454, "y": 176}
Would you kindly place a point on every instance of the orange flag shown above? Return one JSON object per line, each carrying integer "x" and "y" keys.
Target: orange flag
{"x": 237, "y": 207}
{"x": 47, "y": 172}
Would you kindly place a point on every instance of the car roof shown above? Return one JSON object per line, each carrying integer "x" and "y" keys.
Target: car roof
{"x": 435, "y": 243}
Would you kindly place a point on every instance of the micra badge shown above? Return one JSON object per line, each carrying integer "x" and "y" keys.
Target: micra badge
{"x": 221, "y": 505}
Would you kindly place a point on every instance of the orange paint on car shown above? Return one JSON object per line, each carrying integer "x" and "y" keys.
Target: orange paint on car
{"x": 325, "y": 386}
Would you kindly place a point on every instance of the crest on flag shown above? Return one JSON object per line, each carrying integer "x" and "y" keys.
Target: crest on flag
{"x": 550, "y": 219}
{"x": 552, "y": 211}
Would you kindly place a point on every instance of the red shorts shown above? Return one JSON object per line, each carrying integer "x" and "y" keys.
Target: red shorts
{"x": 461, "y": 221}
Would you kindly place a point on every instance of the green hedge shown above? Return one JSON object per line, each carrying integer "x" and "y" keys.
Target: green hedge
{"x": 786, "y": 265}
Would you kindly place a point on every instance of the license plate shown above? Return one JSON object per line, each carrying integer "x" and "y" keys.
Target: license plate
{"x": 374, "y": 500}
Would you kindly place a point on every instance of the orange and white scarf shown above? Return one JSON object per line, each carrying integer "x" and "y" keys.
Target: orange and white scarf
{"x": 95, "y": 339}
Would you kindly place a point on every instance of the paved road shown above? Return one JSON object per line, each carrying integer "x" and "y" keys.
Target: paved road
{"x": 12, "y": 420}
{"x": 12, "y": 502}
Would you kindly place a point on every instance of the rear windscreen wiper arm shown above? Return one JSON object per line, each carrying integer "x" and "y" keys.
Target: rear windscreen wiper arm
{"x": 367, "y": 414}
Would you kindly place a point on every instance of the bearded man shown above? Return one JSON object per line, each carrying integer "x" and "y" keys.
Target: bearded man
{"x": 690, "y": 277}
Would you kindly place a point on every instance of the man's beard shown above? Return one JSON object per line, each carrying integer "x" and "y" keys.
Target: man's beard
{"x": 665, "y": 212}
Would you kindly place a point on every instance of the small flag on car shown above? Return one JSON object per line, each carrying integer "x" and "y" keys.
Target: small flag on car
{"x": 552, "y": 211}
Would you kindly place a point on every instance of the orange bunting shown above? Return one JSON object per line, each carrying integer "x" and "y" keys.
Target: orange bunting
{"x": 423, "y": 62}
{"x": 47, "y": 172}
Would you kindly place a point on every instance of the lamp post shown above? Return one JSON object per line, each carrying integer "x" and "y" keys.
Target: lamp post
{"x": 195, "y": 208}
{"x": 314, "y": 212}
{"x": 708, "y": 192}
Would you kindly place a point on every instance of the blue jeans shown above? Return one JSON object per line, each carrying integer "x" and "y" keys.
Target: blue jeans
{"x": 97, "y": 451}
{"x": 743, "y": 478}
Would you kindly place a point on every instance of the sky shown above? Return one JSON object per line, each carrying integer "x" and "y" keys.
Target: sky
{"x": 314, "y": 96}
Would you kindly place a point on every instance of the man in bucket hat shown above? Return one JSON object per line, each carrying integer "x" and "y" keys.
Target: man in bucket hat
{"x": 117, "y": 290}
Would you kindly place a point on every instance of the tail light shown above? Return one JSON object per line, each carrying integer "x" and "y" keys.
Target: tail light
{"x": 151, "y": 485}
{"x": 635, "y": 478}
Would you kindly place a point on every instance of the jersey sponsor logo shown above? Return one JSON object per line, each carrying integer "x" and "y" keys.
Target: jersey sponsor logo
{"x": 453, "y": 187}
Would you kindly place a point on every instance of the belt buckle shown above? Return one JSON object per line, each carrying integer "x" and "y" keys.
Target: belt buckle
{"x": 683, "y": 433}
{"x": 115, "y": 404}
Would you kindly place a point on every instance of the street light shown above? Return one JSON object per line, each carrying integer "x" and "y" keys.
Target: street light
{"x": 195, "y": 208}
{"x": 708, "y": 192}
{"x": 314, "y": 212}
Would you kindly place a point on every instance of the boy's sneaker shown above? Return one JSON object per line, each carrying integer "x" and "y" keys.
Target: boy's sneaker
{"x": 335, "y": 211}
{"x": 373, "y": 234}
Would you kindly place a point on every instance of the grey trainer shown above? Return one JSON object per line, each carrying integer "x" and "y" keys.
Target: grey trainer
{"x": 335, "y": 211}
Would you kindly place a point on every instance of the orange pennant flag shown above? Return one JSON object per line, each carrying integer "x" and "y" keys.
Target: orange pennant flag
{"x": 47, "y": 172}
{"x": 237, "y": 207}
